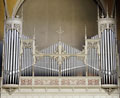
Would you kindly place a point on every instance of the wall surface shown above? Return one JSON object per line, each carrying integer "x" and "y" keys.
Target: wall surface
{"x": 1, "y": 19}
{"x": 1, "y": 46}
{"x": 48, "y": 15}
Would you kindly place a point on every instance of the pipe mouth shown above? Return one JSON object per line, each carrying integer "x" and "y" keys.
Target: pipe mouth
{"x": 111, "y": 86}
{"x": 13, "y": 86}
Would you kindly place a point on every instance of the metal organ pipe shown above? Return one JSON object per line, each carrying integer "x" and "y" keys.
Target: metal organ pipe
{"x": 108, "y": 54}
{"x": 108, "y": 57}
{"x": 9, "y": 56}
{"x": 11, "y": 65}
{"x": 27, "y": 59}
{"x": 14, "y": 57}
{"x": 103, "y": 62}
{"x": 92, "y": 57}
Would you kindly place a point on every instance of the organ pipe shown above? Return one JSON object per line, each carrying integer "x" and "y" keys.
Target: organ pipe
{"x": 11, "y": 67}
{"x": 108, "y": 61}
{"x": 50, "y": 65}
{"x": 13, "y": 30}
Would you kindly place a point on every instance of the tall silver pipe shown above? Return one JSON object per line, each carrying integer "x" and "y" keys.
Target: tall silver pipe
{"x": 6, "y": 56}
{"x": 11, "y": 54}
{"x": 108, "y": 52}
{"x": 8, "y": 64}
{"x": 104, "y": 72}
{"x": 106, "y": 55}
{"x": 24, "y": 61}
{"x": 95, "y": 65}
{"x": 114, "y": 69}
{"x": 14, "y": 56}
{"x": 90, "y": 71}
{"x": 52, "y": 72}
{"x": 69, "y": 60}
{"x": 65, "y": 62}
{"x": 17, "y": 55}
{"x": 94, "y": 60}
{"x": 54, "y": 59}
{"x": 111, "y": 53}
{"x": 27, "y": 52}
{"x": 27, "y": 62}
{"x": 5, "y": 52}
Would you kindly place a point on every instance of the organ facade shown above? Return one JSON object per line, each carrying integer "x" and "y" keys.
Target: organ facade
{"x": 60, "y": 68}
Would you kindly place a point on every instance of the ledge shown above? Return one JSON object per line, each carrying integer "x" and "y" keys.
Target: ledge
{"x": 110, "y": 86}
{"x": 13, "y": 86}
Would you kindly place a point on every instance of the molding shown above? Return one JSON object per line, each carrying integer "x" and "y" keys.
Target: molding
{"x": 6, "y": 9}
{"x": 101, "y": 4}
{"x": 10, "y": 91}
{"x": 62, "y": 91}
{"x": 17, "y": 6}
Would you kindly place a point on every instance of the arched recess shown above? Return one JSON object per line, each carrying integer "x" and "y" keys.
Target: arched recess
{"x": 20, "y": 2}
{"x": 17, "y": 6}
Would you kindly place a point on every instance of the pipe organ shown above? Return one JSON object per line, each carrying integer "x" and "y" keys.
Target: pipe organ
{"x": 108, "y": 50}
{"x": 49, "y": 67}
{"x": 97, "y": 59}
{"x": 108, "y": 57}
{"x": 93, "y": 56}
{"x": 12, "y": 51}
{"x": 26, "y": 57}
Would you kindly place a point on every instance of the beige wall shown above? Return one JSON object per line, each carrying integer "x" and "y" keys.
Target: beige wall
{"x": 48, "y": 15}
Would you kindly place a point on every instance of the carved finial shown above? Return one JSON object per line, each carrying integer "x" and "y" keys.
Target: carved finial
{"x": 22, "y": 13}
{"x": 115, "y": 12}
{"x": 17, "y": 16}
{"x": 60, "y": 31}
{"x": 107, "y": 12}
{"x": 111, "y": 16}
{"x": 85, "y": 32}
{"x": 98, "y": 12}
{"x": 102, "y": 15}
{"x": 34, "y": 34}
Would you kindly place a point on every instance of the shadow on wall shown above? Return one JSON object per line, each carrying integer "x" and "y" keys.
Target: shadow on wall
{"x": 119, "y": 51}
{"x": 1, "y": 47}
{"x": 119, "y": 46}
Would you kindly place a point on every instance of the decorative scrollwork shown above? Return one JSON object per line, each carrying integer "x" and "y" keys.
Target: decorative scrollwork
{"x": 17, "y": 27}
{"x": 27, "y": 44}
{"x": 103, "y": 27}
{"x": 8, "y": 26}
{"x": 93, "y": 45}
{"x": 10, "y": 91}
{"x": 112, "y": 27}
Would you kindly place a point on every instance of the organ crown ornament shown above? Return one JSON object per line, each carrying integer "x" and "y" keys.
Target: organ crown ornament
{"x": 60, "y": 32}
{"x": 106, "y": 22}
